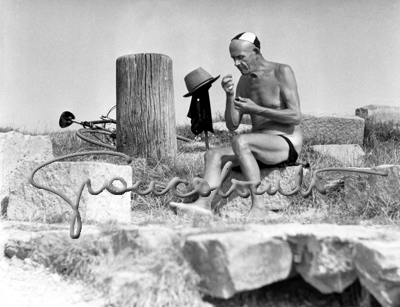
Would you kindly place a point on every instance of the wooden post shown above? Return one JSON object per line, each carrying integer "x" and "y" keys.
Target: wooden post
{"x": 145, "y": 106}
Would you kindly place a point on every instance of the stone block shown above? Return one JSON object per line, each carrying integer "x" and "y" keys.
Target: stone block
{"x": 326, "y": 263}
{"x": 331, "y": 257}
{"x": 380, "y": 113}
{"x": 14, "y": 148}
{"x": 381, "y": 191}
{"x": 348, "y": 154}
{"x": 28, "y": 203}
{"x": 232, "y": 262}
{"x": 269, "y": 176}
{"x": 378, "y": 268}
{"x": 332, "y": 129}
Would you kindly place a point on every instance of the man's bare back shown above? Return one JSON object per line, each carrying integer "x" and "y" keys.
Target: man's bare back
{"x": 268, "y": 92}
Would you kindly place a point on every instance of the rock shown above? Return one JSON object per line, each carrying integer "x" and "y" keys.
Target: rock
{"x": 28, "y": 203}
{"x": 348, "y": 154}
{"x": 325, "y": 263}
{"x": 17, "y": 262}
{"x": 285, "y": 175}
{"x": 4, "y": 266}
{"x": 14, "y": 148}
{"x": 10, "y": 251}
{"x": 332, "y": 129}
{"x": 147, "y": 239}
{"x": 381, "y": 191}
{"x": 380, "y": 113}
{"x": 323, "y": 255}
{"x": 56, "y": 278}
{"x": 28, "y": 262}
{"x": 378, "y": 268}
{"x": 19, "y": 244}
{"x": 232, "y": 262}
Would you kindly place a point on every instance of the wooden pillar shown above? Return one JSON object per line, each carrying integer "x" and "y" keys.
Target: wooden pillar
{"x": 145, "y": 106}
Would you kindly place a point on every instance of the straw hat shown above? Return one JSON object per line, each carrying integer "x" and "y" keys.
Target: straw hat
{"x": 196, "y": 79}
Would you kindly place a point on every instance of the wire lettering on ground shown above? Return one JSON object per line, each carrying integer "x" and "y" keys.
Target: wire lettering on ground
{"x": 200, "y": 185}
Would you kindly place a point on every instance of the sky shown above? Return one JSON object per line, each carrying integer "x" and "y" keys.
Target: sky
{"x": 59, "y": 55}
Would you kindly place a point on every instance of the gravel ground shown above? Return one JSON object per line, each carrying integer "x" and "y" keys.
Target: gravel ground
{"x": 22, "y": 284}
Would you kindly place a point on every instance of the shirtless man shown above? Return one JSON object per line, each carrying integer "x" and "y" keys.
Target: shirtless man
{"x": 268, "y": 92}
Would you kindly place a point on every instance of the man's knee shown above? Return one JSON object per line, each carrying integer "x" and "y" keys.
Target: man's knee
{"x": 239, "y": 143}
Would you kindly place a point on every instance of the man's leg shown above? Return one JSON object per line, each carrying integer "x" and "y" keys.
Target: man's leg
{"x": 267, "y": 148}
{"x": 246, "y": 148}
{"x": 214, "y": 159}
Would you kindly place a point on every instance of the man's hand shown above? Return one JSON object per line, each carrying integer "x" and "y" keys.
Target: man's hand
{"x": 245, "y": 105}
{"x": 227, "y": 84}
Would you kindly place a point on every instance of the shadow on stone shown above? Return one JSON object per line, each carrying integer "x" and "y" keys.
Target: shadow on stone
{"x": 296, "y": 292}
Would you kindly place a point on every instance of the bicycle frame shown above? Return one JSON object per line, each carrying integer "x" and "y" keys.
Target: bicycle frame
{"x": 106, "y": 136}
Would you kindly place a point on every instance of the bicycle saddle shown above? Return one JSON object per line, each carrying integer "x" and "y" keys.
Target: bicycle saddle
{"x": 66, "y": 119}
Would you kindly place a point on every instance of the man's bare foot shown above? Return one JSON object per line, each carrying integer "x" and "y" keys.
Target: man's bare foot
{"x": 260, "y": 214}
{"x": 191, "y": 209}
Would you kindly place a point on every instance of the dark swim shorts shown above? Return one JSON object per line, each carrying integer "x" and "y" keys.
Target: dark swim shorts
{"x": 289, "y": 162}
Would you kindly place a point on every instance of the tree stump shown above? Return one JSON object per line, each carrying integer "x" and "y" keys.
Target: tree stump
{"x": 145, "y": 106}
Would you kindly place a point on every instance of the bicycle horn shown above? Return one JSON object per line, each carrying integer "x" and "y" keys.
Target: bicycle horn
{"x": 66, "y": 119}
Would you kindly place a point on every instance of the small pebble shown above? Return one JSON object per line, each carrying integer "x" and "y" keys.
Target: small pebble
{"x": 3, "y": 266}
{"x": 26, "y": 267}
{"x": 56, "y": 277}
{"x": 17, "y": 262}
{"x": 28, "y": 261}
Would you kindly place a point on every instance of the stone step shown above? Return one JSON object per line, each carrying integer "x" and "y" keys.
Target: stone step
{"x": 332, "y": 129}
{"x": 28, "y": 203}
{"x": 15, "y": 148}
{"x": 20, "y": 154}
{"x": 380, "y": 113}
{"x": 349, "y": 154}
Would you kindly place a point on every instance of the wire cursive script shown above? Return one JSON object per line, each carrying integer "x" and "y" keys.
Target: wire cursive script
{"x": 200, "y": 185}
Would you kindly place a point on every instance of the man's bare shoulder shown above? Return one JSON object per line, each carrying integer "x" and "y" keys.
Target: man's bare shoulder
{"x": 283, "y": 70}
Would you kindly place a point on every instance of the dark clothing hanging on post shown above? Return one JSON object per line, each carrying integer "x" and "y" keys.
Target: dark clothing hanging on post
{"x": 200, "y": 111}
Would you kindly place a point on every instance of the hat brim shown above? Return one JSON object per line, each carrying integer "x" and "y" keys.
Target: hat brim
{"x": 211, "y": 80}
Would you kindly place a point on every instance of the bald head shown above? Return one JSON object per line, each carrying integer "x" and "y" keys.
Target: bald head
{"x": 241, "y": 45}
{"x": 246, "y": 55}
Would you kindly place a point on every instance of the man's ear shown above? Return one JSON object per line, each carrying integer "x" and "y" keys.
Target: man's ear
{"x": 257, "y": 51}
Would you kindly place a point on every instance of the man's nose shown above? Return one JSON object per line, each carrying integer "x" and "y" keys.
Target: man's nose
{"x": 237, "y": 62}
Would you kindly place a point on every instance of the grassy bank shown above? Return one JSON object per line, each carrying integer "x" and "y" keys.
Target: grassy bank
{"x": 164, "y": 278}
{"x": 381, "y": 146}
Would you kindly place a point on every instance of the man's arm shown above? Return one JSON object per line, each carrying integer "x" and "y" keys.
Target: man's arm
{"x": 232, "y": 116}
{"x": 291, "y": 115}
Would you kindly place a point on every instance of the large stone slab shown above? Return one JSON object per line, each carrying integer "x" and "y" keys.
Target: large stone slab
{"x": 332, "y": 129}
{"x": 269, "y": 176}
{"x": 380, "y": 191}
{"x": 348, "y": 154}
{"x": 380, "y": 113}
{"x": 28, "y": 203}
{"x": 329, "y": 257}
{"x": 237, "y": 261}
{"x": 14, "y": 148}
{"x": 378, "y": 268}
